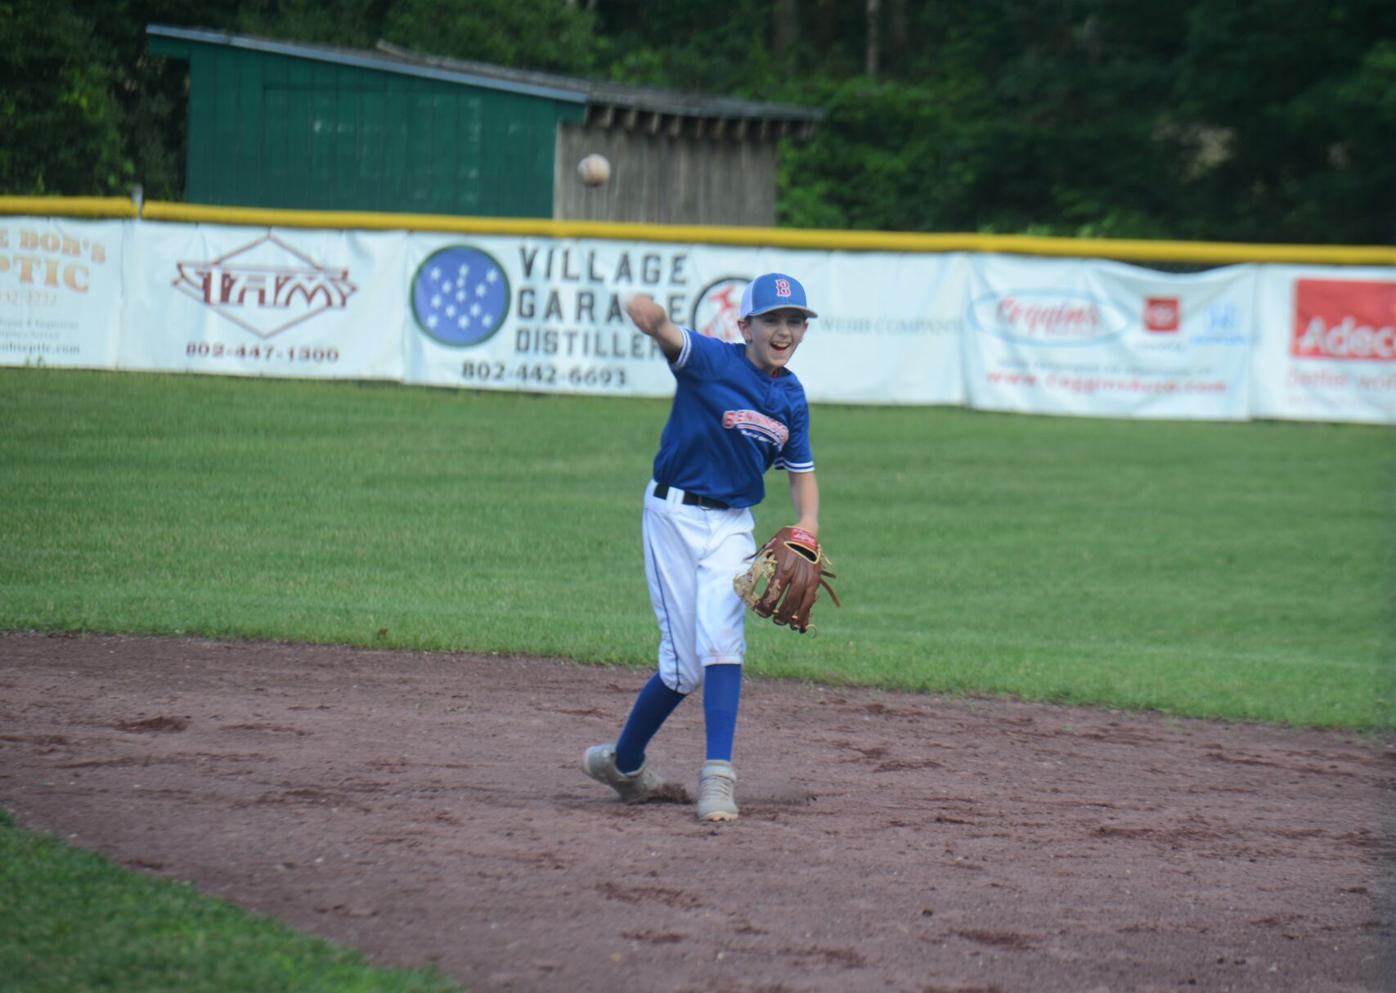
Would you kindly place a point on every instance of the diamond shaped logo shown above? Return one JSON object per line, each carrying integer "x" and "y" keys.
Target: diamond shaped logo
{"x": 265, "y": 286}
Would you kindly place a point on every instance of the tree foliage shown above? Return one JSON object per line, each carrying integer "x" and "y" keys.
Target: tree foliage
{"x": 1305, "y": 112}
{"x": 59, "y": 114}
{"x": 1258, "y": 120}
{"x": 553, "y": 36}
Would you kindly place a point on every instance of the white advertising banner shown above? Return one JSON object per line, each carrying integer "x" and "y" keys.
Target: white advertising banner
{"x": 1103, "y": 339}
{"x": 60, "y": 291}
{"x": 537, "y": 314}
{"x": 1326, "y": 344}
{"x": 889, "y": 326}
{"x": 549, "y": 316}
{"x": 264, "y": 302}
{"x": 1005, "y": 333}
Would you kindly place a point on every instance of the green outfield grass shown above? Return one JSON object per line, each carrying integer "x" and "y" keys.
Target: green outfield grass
{"x": 74, "y": 923}
{"x": 1239, "y": 571}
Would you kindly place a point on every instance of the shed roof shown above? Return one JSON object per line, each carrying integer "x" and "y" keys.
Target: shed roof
{"x": 352, "y": 57}
{"x": 607, "y": 104}
{"x": 608, "y": 101}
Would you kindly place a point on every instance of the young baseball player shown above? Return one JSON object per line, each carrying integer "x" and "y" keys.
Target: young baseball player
{"x": 737, "y": 411}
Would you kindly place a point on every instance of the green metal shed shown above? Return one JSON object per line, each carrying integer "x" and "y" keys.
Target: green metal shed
{"x": 297, "y": 125}
{"x": 282, "y": 124}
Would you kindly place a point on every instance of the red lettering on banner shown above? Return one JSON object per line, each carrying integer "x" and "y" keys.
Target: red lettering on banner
{"x": 266, "y": 286}
{"x": 1064, "y": 319}
{"x": 1344, "y": 319}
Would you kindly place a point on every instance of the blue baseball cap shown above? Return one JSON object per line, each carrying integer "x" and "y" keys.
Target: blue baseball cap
{"x": 774, "y": 291}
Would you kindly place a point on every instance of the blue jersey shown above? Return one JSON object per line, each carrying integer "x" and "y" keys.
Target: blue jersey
{"x": 730, "y": 423}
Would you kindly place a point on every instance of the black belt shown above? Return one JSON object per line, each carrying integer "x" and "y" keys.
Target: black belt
{"x": 692, "y": 499}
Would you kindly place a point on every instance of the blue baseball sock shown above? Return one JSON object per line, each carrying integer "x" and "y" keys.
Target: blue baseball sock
{"x": 722, "y": 692}
{"x": 652, "y": 708}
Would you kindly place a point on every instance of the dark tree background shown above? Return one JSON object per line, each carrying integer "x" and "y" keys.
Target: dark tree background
{"x": 1247, "y": 120}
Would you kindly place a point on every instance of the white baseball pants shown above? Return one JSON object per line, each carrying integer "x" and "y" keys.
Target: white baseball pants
{"x": 691, "y": 556}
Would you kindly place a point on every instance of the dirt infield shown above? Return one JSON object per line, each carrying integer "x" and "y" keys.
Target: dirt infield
{"x": 430, "y": 808}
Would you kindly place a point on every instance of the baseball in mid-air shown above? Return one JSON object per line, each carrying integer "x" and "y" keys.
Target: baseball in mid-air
{"x": 594, "y": 169}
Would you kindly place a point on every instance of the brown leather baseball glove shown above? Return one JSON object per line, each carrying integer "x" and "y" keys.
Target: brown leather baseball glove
{"x": 793, "y": 566}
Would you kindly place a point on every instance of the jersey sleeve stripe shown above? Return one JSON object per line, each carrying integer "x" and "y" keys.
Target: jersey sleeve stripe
{"x": 682, "y": 360}
{"x": 794, "y": 466}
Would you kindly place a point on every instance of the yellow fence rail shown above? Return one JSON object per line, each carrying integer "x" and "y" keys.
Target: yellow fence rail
{"x": 69, "y": 206}
{"x": 1119, "y": 249}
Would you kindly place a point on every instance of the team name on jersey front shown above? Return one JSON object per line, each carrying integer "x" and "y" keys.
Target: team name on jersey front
{"x": 756, "y": 425}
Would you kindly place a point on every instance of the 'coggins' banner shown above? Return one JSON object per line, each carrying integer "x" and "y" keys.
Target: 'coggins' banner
{"x": 1107, "y": 340}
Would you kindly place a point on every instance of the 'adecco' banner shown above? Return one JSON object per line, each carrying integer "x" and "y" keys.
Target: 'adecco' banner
{"x": 257, "y": 302}
{"x": 60, "y": 291}
{"x": 1107, "y": 340}
{"x": 534, "y": 314}
{"x": 1326, "y": 344}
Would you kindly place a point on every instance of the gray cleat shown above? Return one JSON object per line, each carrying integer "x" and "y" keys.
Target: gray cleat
{"x": 644, "y": 785}
{"x": 716, "y": 788}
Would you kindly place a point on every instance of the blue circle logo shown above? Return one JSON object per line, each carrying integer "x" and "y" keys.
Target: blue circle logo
{"x": 460, "y": 296}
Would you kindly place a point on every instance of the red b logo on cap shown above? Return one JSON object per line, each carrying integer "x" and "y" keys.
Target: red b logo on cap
{"x": 782, "y": 287}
